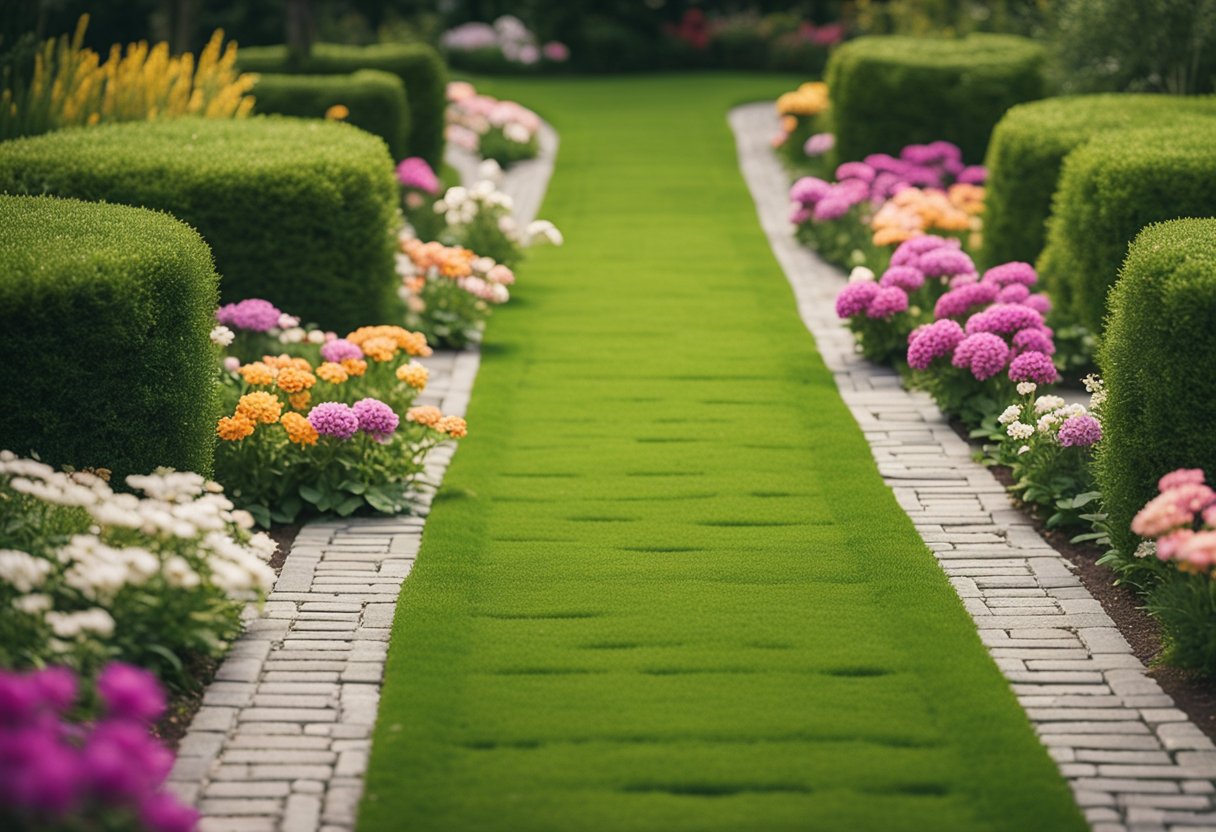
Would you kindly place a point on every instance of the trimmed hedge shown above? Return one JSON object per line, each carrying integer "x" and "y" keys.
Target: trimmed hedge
{"x": 1028, "y": 148}
{"x": 105, "y": 358}
{"x": 376, "y": 101}
{"x": 419, "y": 66}
{"x": 1108, "y": 191}
{"x": 1159, "y": 364}
{"x": 892, "y": 91}
{"x": 297, "y": 212}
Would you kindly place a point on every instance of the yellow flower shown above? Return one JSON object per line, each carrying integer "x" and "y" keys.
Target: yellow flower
{"x": 299, "y": 430}
{"x": 299, "y": 401}
{"x": 259, "y": 407}
{"x": 232, "y": 428}
{"x": 381, "y": 348}
{"x": 337, "y": 112}
{"x": 355, "y": 366}
{"x": 333, "y": 373}
{"x": 413, "y": 374}
{"x": 453, "y": 426}
{"x": 257, "y": 373}
{"x": 425, "y": 415}
{"x": 295, "y": 380}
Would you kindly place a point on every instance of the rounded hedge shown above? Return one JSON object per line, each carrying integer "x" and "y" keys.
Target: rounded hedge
{"x": 892, "y": 91}
{"x": 376, "y": 102}
{"x": 1158, "y": 360}
{"x": 1028, "y": 148}
{"x": 1108, "y": 191}
{"x": 106, "y": 360}
{"x": 418, "y": 65}
{"x": 297, "y": 212}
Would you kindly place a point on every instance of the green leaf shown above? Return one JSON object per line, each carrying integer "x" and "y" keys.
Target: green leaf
{"x": 350, "y": 505}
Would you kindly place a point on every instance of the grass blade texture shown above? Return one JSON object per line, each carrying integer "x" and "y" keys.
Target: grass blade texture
{"x": 666, "y": 588}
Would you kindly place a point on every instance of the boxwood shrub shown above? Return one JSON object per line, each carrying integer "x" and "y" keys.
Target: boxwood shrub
{"x": 418, "y": 65}
{"x": 891, "y": 91}
{"x": 1159, "y": 363}
{"x": 296, "y": 211}
{"x": 105, "y": 359}
{"x": 1028, "y": 148}
{"x": 376, "y": 101}
{"x": 1108, "y": 191}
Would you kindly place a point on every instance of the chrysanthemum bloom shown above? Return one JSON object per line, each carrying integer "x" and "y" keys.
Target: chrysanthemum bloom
{"x": 1014, "y": 272}
{"x": 233, "y": 428}
{"x": 260, "y": 407}
{"x": 453, "y": 426}
{"x": 809, "y": 190}
{"x": 424, "y": 415}
{"x": 254, "y": 315}
{"x": 354, "y": 366}
{"x": 1004, "y": 319}
{"x": 1035, "y": 339}
{"x": 960, "y": 300}
{"x": 1033, "y": 366}
{"x": 413, "y": 374}
{"x": 905, "y": 277}
{"x": 855, "y": 170}
{"x": 294, "y": 380}
{"x": 831, "y": 207}
{"x": 284, "y": 361}
{"x": 945, "y": 262}
{"x": 1080, "y": 431}
{"x": 909, "y": 252}
{"x": 333, "y": 373}
{"x": 339, "y": 349}
{"x": 376, "y": 418}
{"x": 334, "y": 419}
{"x": 934, "y": 341}
{"x": 258, "y": 373}
{"x": 855, "y": 298}
{"x": 1183, "y": 476}
{"x": 888, "y": 301}
{"x": 299, "y": 401}
{"x": 414, "y": 172}
{"x": 299, "y": 430}
{"x": 983, "y": 353}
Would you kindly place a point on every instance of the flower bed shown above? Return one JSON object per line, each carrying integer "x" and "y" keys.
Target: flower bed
{"x": 504, "y": 131}
{"x": 506, "y": 45}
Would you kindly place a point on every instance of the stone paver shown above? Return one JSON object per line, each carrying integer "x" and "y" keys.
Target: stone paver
{"x": 1133, "y": 760}
{"x": 282, "y": 740}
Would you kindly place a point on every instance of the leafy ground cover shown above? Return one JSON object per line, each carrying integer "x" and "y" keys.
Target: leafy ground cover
{"x": 664, "y": 586}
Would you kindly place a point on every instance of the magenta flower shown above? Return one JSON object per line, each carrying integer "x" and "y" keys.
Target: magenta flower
{"x": 909, "y": 251}
{"x": 945, "y": 262}
{"x": 334, "y": 419}
{"x": 1039, "y": 302}
{"x": 1033, "y": 366}
{"x": 855, "y": 298}
{"x": 123, "y": 763}
{"x": 48, "y": 776}
{"x": 339, "y": 349}
{"x": 819, "y": 144}
{"x": 56, "y": 687}
{"x": 130, "y": 692}
{"x": 903, "y": 277}
{"x": 932, "y": 342}
{"x": 809, "y": 190}
{"x": 1179, "y": 478}
{"x": 799, "y": 215}
{"x": 376, "y": 418}
{"x": 983, "y": 353}
{"x": 972, "y": 175}
{"x": 414, "y": 172}
{"x": 888, "y": 301}
{"x": 254, "y": 315}
{"x": 1080, "y": 431}
{"x": 831, "y": 207}
{"x": 1013, "y": 293}
{"x": 960, "y": 300}
{"x": 1033, "y": 340}
{"x": 855, "y": 170}
{"x": 1014, "y": 272}
{"x": 1004, "y": 319}
{"x": 19, "y": 699}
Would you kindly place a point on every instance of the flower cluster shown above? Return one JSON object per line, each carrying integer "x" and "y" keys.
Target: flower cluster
{"x": 414, "y": 173}
{"x": 507, "y": 39}
{"x": 56, "y": 773}
{"x": 912, "y": 212}
{"x": 1182, "y": 521}
{"x": 504, "y": 131}
{"x": 479, "y": 219}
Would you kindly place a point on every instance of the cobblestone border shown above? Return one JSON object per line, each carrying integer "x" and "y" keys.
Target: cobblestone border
{"x": 281, "y": 741}
{"x": 1134, "y": 761}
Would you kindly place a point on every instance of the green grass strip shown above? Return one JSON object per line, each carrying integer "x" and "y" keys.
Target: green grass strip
{"x": 665, "y": 587}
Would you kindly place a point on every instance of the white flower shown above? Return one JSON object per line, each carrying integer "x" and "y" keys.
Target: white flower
{"x": 861, "y": 274}
{"x": 288, "y": 321}
{"x": 1097, "y": 400}
{"x": 455, "y": 197}
{"x": 1010, "y": 414}
{"x": 264, "y": 545}
{"x": 294, "y": 335}
{"x": 1020, "y": 430}
{"x": 1046, "y": 404}
{"x": 316, "y": 336}
{"x": 222, "y": 335}
{"x": 22, "y": 570}
{"x": 1046, "y": 423}
{"x": 1025, "y": 388}
{"x": 516, "y": 132}
{"x": 179, "y": 574}
{"x": 1093, "y": 384}
{"x": 33, "y": 604}
{"x": 1023, "y": 449}
{"x": 243, "y": 519}
{"x": 489, "y": 169}
{"x": 545, "y": 230}
{"x": 72, "y": 624}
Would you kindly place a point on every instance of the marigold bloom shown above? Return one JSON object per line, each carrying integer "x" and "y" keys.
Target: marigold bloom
{"x": 337, "y": 112}
{"x": 282, "y": 362}
{"x": 260, "y": 407}
{"x": 258, "y": 373}
{"x": 233, "y": 428}
{"x": 355, "y": 366}
{"x": 413, "y": 374}
{"x": 333, "y": 373}
{"x": 425, "y": 415}
{"x": 299, "y": 401}
{"x": 453, "y": 426}
{"x": 299, "y": 430}
{"x": 295, "y": 380}
{"x": 380, "y": 349}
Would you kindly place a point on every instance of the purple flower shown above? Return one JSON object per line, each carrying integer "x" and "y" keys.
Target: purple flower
{"x": 334, "y": 419}
{"x": 909, "y": 251}
{"x": 945, "y": 262}
{"x": 1013, "y": 293}
{"x": 339, "y": 349}
{"x": 919, "y": 154}
{"x": 414, "y": 172}
{"x": 130, "y": 692}
{"x": 1004, "y": 319}
{"x": 123, "y": 763}
{"x": 855, "y": 298}
{"x": 819, "y": 144}
{"x": 1015, "y": 272}
{"x": 885, "y": 163}
{"x": 809, "y": 190}
{"x": 375, "y": 418}
{"x": 958, "y": 301}
{"x": 1033, "y": 366}
{"x": 973, "y": 175}
{"x": 48, "y": 776}
{"x": 946, "y": 152}
{"x": 56, "y": 687}
{"x": 831, "y": 207}
{"x": 934, "y": 341}
{"x": 983, "y": 353}
{"x": 800, "y": 215}
{"x": 18, "y": 698}
{"x": 904, "y": 277}
{"x": 1033, "y": 340}
{"x": 254, "y": 315}
{"x": 855, "y": 170}
{"x": 1080, "y": 431}
{"x": 888, "y": 301}
{"x": 1039, "y": 302}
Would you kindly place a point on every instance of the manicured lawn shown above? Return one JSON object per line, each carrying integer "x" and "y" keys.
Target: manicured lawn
{"x": 665, "y": 587}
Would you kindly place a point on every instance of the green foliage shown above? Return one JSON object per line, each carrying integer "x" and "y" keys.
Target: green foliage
{"x": 1028, "y": 148}
{"x": 1185, "y": 604}
{"x": 376, "y": 101}
{"x": 1109, "y": 190}
{"x": 297, "y": 212}
{"x": 889, "y": 92}
{"x": 418, "y": 65}
{"x": 1157, "y": 360}
{"x": 105, "y": 359}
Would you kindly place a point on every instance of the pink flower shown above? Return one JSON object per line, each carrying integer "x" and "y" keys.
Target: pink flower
{"x": 1004, "y": 319}
{"x": 904, "y": 277}
{"x": 909, "y": 251}
{"x": 1080, "y": 431}
{"x": 972, "y": 175}
{"x": 1014, "y": 272}
{"x": 799, "y": 215}
{"x": 1033, "y": 366}
{"x": 1039, "y": 303}
{"x": 1183, "y": 476}
{"x": 888, "y": 301}
{"x": 556, "y": 51}
{"x": 1168, "y": 546}
{"x": 130, "y": 692}
{"x": 855, "y": 170}
{"x": 254, "y": 314}
{"x": 1013, "y": 293}
{"x": 960, "y": 300}
{"x": 819, "y": 144}
{"x": 831, "y": 207}
{"x": 376, "y": 418}
{"x": 855, "y": 298}
{"x": 414, "y": 172}
{"x": 339, "y": 349}
{"x": 934, "y": 341}
{"x": 1036, "y": 340}
{"x": 809, "y": 190}
{"x": 334, "y": 419}
{"x": 1198, "y": 550}
{"x": 1159, "y": 516}
{"x": 945, "y": 262}
{"x": 983, "y": 353}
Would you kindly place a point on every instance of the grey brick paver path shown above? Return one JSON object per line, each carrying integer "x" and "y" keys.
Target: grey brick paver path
{"x": 281, "y": 741}
{"x": 1134, "y": 761}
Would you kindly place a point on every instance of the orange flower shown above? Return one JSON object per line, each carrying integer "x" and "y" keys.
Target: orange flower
{"x": 299, "y": 401}
{"x": 282, "y": 362}
{"x": 425, "y": 415}
{"x": 453, "y": 426}
{"x": 233, "y": 428}
{"x": 413, "y": 374}
{"x": 381, "y": 348}
{"x": 891, "y": 236}
{"x": 414, "y": 343}
{"x": 259, "y": 407}
{"x": 355, "y": 366}
{"x": 337, "y": 112}
{"x": 299, "y": 430}
{"x": 258, "y": 373}
{"x": 334, "y": 373}
{"x": 295, "y": 380}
